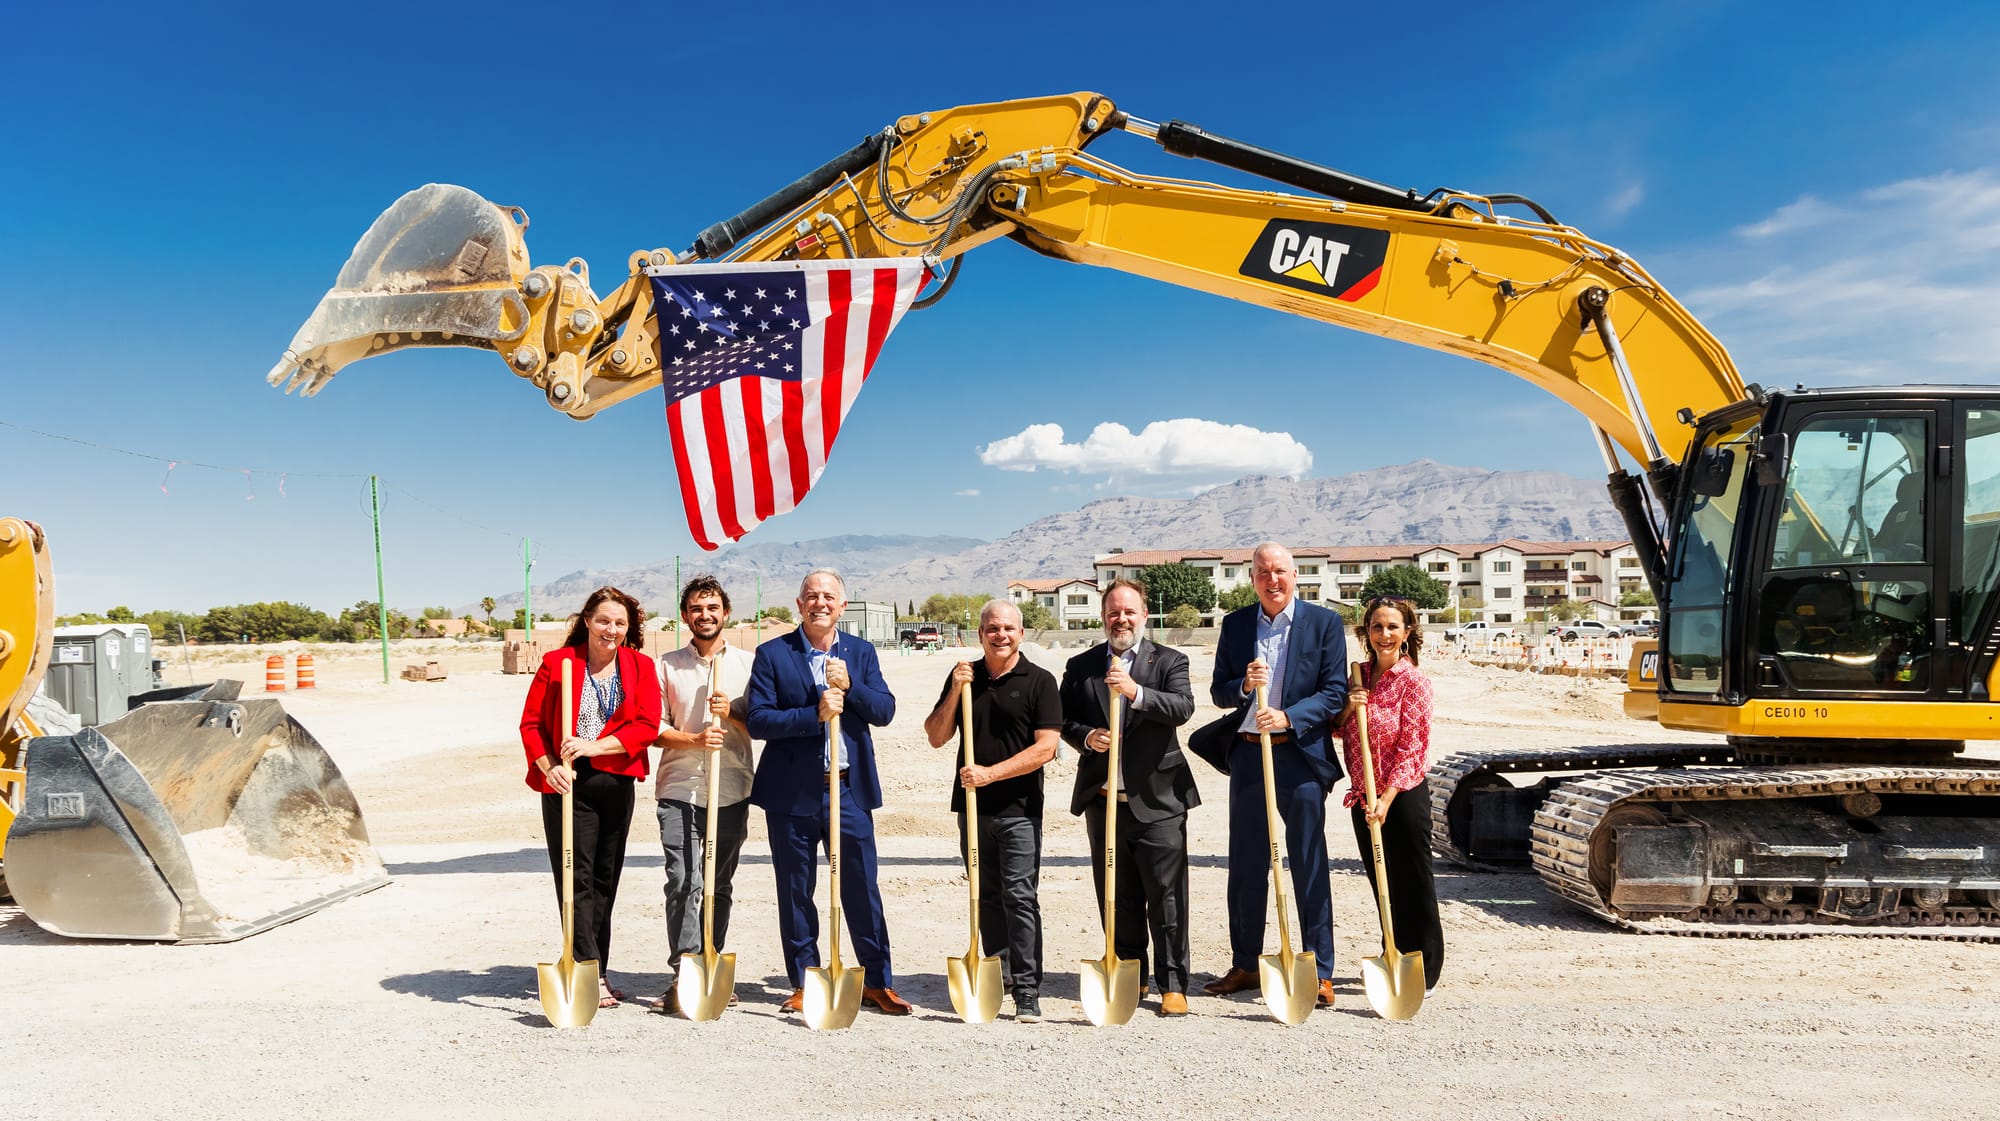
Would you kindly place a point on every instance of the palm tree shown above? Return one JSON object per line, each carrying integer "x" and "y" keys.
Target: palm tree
{"x": 487, "y": 605}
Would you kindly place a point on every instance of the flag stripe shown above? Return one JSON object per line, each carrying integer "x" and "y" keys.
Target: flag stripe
{"x": 795, "y": 442}
{"x": 832, "y": 402}
{"x": 690, "y": 497}
{"x": 757, "y": 446}
{"x": 718, "y": 460}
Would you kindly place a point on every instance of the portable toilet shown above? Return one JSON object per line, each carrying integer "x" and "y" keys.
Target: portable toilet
{"x": 94, "y": 671}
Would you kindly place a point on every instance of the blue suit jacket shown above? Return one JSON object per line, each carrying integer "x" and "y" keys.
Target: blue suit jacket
{"x": 784, "y": 713}
{"x": 1312, "y": 694}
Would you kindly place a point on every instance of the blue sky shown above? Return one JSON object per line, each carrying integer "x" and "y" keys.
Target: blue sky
{"x": 1820, "y": 185}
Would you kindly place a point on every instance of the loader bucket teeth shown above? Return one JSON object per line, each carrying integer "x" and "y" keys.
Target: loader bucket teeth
{"x": 438, "y": 268}
{"x": 218, "y": 819}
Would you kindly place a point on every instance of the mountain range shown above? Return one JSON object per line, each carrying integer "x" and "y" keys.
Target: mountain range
{"x": 1413, "y": 503}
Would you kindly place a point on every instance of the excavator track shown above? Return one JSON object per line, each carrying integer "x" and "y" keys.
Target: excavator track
{"x": 1458, "y": 779}
{"x": 1577, "y": 831}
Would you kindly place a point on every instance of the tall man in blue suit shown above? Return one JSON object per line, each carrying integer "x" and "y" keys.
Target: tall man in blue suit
{"x": 797, "y": 682}
{"x": 1299, "y": 650}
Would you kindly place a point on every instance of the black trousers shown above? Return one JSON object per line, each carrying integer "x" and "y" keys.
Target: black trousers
{"x": 1010, "y": 908}
{"x": 1152, "y": 891}
{"x": 1406, "y": 856}
{"x": 603, "y": 815}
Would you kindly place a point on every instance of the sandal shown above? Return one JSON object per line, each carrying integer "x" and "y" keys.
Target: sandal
{"x": 608, "y": 997}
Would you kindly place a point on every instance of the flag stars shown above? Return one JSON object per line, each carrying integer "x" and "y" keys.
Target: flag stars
{"x": 760, "y": 293}
{"x": 730, "y": 294}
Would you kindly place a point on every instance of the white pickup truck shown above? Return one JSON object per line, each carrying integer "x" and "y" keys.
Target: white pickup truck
{"x": 1589, "y": 628}
{"x": 1478, "y": 630}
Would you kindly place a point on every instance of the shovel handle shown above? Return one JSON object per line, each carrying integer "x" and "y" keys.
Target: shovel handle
{"x": 568, "y": 818}
{"x": 1112, "y": 774}
{"x": 708, "y": 837}
{"x": 1276, "y": 834}
{"x": 1374, "y": 827}
{"x": 833, "y": 840}
{"x": 971, "y": 813}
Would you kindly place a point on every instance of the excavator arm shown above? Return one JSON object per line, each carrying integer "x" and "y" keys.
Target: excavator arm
{"x": 1449, "y": 270}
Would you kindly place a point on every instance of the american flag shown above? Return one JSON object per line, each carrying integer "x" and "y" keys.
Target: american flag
{"x": 760, "y": 363}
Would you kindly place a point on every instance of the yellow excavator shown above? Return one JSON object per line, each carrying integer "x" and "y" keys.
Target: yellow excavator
{"x": 1825, "y": 561}
{"x": 197, "y": 816}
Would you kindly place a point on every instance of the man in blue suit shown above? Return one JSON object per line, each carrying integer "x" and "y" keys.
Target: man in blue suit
{"x": 1299, "y": 650}
{"x": 797, "y": 683}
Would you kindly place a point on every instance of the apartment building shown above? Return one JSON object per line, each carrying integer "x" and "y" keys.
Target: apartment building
{"x": 1073, "y": 601}
{"x": 1510, "y": 581}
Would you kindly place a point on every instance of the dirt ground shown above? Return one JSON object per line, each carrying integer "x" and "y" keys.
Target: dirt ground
{"x": 418, "y": 1000}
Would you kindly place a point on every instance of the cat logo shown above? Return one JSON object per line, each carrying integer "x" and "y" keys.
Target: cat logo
{"x": 1649, "y": 666}
{"x": 1344, "y": 262}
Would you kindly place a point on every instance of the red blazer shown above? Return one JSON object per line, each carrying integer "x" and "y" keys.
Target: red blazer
{"x": 636, "y": 723}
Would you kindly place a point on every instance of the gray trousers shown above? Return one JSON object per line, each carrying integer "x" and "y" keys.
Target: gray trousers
{"x": 1010, "y": 911}
{"x": 683, "y": 836}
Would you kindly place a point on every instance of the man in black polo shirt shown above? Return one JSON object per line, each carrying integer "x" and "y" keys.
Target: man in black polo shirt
{"x": 1016, "y": 720}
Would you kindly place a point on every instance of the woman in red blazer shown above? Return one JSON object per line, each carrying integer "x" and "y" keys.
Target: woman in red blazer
{"x": 615, "y": 694}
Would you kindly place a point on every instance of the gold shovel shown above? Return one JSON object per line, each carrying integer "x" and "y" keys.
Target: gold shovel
{"x": 569, "y": 986}
{"x": 833, "y": 994}
{"x": 1290, "y": 980}
{"x": 974, "y": 981}
{"x": 1394, "y": 981}
{"x": 1109, "y": 988}
{"x": 706, "y": 982}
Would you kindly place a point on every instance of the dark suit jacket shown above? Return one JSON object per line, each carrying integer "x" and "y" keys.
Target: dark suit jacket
{"x": 1158, "y": 781}
{"x": 1312, "y": 694}
{"x": 784, "y": 713}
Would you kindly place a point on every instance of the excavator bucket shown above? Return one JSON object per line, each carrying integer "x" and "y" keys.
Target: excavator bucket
{"x": 204, "y": 819}
{"x": 438, "y": 268}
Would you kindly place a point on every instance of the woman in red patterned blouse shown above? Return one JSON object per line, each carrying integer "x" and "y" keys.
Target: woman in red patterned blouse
{"x": 1398, "y": 696}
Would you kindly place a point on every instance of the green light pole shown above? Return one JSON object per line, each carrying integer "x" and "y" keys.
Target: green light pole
{"x": 527, "y": 590}
{"x": 381, "y": 595}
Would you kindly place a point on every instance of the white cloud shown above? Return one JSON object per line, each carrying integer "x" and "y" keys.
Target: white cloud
{"x": 969, "y": 492}
{"x": 1184, "y": 452}
{"x": 1625, "y": 201}
{"x": 1893, "y": 285}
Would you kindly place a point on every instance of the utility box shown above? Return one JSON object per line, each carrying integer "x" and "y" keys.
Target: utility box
{"x": 94, "y": 671}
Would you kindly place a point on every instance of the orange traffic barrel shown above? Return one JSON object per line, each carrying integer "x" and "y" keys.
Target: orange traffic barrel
{"x": 306, "y": 672}
{"x": 274, "y": 674}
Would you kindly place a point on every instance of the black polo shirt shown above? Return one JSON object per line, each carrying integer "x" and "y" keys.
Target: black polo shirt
{"x": 1007, "y": 711}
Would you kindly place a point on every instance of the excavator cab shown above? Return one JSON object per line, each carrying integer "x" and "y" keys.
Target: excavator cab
{"x": 1835, "y": 577}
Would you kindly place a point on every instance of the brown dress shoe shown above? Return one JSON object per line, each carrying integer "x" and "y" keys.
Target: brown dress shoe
{"x": 1326, "y": 993}
{"x": 1173, "y": 1004}
{"x": 886, "y": 1002}
{"x": 1234, "y": 981}
{"x": 795, "y": 1002}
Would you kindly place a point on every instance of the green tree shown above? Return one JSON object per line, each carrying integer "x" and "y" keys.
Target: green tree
{"x": 1236, "y": 598}
{"x": 1638, "y": 597}
{"x": 1184, "y": 615}
{"x": 1174, "y": 584}
{"x": 1409, "y": 582}
{"x": 1564, "y": 610}
{"x": 781, "y": 614}
{"x": 120, "y": 614}
{"x": 166, "y": 626}
{"x": 960, "y": 609}
{"x": 1036, "y": 617}
{"x": 437, "y": 612}
{"x": 263, "y": 622}
{"x": 487, "y": 605}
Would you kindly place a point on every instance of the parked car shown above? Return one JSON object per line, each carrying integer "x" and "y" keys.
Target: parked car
{"x": 1643, "y": 627}
{"x": 1589, "y": 628}
{"x": 1478, "y": 629}
{"x": 927, "y": 636}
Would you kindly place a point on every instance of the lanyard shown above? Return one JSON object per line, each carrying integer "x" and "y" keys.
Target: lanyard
{"x": 603, "y": 695}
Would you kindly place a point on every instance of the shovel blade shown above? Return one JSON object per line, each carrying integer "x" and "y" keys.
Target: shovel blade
{"x": 1395, "y": 984}
{"x": 1109, "y": 990}
{"x": 569, "y": 992}
{"x": 975, "y": 985}
{"x": 704, "y": 991}
{"x": 1290, "y": 993}
{"x": 833, "y": 996}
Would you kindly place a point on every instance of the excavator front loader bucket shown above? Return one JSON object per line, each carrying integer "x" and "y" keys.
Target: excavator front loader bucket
{"x": 441, "y": 267}
{"x": 200, "y": 820}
